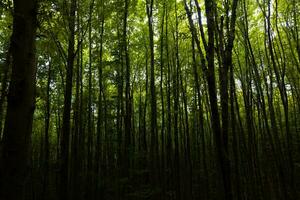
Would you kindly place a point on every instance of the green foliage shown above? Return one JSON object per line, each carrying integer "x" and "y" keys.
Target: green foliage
{"x": 261, "y": 96}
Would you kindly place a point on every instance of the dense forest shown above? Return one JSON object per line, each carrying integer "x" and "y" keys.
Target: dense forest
{"x": 149, "y": 99}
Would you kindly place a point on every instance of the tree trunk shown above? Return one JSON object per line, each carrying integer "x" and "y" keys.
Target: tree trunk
{"x": 4, "y": 82}
{"x": 127, "y": 121}
{"x": 15, "y": 154}
{"x": 65, "y": 134}
{"x": 46, "y": 139}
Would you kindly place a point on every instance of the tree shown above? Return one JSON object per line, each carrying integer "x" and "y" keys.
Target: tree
{"x": 65, "y": 134}
{"x": 15, "y": 153}
{"x": 151, "y": 99}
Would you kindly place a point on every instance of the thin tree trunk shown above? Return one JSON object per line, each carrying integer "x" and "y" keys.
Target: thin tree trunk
{"x": 128, "y": 139}
{"x": 162, "y": 65}
{"x": 154, "y": 138}
{"x": 176, "y": 86}
{"x": 4, "y": 81}
{"x": 65, "y": 137}
{"x": 100, "y": 113}
{"x": 46, "y": 136}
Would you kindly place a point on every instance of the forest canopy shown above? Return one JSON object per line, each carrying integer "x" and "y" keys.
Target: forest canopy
{"x": 149, "y": 99}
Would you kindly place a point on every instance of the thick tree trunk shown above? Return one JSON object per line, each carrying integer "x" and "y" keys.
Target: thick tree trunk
{"x": 15, "y": 154}
{"x": 212, "y": 90}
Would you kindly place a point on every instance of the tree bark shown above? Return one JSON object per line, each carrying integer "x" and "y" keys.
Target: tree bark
{"x": 65, "y": 134}
{"x": 4, "y": 81}
{"x": 15, "y": 154}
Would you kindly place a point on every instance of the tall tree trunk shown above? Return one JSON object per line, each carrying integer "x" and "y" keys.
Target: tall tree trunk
{"x": 127, "y": 121}
{"x": 201, "y": 119}
{"x": 46, "y": 136}
{"x": 90, "y": 128}
{"x": 162, "y": 64}
{"x": 154, "y": 139}
{"x": 4, "y": 81}
{"x": 216, "y": 126}
{"x": 283, "y": 94}
{"x": 15, "y": 153}
{"x": 100, "y": 113}
{"x": 65, "y": 134}
{"x": 169, "y": 128}
{"x": 176, "y": 86}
